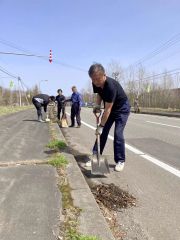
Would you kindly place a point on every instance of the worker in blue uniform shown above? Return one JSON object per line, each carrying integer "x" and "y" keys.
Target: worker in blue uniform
{"x": 76, "y": 100}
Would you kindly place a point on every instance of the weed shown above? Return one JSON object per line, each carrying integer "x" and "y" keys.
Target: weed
{"x": 74, "y": 236}
{"x": 58, "y": 161}
{"x": 56, "y": 144}
{"x": 66, "y": 196}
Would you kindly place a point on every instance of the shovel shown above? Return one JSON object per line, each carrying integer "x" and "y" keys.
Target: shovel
{"x": 98, "y": 162}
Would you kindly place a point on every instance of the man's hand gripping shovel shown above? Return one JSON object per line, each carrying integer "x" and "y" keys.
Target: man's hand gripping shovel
{"x": 98, "y": 162}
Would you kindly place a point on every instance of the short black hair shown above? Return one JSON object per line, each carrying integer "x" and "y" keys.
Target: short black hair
{"x": 52, "y": 98}
{"x": 59, "y": 90}
{"x": 97, "y": 67}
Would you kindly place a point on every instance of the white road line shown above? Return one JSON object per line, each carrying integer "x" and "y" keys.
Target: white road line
{"x": 157, "y": 162}
{"x": 163, "y": 124}
{"x": 165, "y": 166}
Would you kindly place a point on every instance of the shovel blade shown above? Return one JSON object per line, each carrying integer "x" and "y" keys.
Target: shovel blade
{"x": 99, "y": 165}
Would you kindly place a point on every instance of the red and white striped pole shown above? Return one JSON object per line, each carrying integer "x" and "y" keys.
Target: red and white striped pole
{"x": 50, "y": 56}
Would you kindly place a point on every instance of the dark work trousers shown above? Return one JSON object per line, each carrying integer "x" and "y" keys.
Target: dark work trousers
{"x": 75, "y": 112}
{"x": 119, "y": 143}
{"x": 59, "y": 110}
{"x": 38, "y": 107}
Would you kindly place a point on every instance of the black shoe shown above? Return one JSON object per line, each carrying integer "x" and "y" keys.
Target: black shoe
{"x": 78, "y": 126}
{"x": 71, "y": 126}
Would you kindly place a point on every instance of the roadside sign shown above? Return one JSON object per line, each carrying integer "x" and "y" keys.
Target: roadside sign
{"x": 11, "y": 84}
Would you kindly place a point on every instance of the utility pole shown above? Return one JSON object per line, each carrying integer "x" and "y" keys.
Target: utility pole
{"x": 24, "y": 92}
{"x": 19, "y": 89}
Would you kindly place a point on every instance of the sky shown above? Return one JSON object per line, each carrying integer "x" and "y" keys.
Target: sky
{"x": 81, "y": 32}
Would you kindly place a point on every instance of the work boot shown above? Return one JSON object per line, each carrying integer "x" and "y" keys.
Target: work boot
{"x": 119, "y": 166}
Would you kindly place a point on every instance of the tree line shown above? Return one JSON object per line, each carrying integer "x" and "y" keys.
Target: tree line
{"x": 151, "y": 89}
{"x": 13, "y": 97}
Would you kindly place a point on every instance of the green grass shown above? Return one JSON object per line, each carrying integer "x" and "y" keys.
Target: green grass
{"x": 10, "y": 109}
{"x": 81, "y": 237}
{"x": 75, "y": 236}
{"x": 58, "y": 161}
{"x": 72, "y": 234}
{"x": 56, "y": 144}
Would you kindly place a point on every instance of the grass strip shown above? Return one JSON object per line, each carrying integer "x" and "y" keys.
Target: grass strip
{"x": 11, "y": 109}
{"x": 58, "y": 161}
{"x": 69, "y": 227}
{"x": 56, "y": 144}
{"x": 71, "y": 213}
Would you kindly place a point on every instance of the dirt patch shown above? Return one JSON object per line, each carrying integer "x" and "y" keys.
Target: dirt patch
{"x": 113, "y": 197}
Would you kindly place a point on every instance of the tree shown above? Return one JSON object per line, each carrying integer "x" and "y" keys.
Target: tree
{"x": 115, "y": 71}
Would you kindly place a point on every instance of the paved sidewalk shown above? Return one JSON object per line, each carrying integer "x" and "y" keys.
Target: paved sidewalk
{"x": 30, "y": 201}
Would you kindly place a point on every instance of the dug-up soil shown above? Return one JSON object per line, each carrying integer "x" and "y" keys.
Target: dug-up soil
{"x": 113, "y": 197}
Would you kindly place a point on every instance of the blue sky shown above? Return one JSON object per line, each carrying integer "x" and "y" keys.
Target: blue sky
{"x": 81, "y": 32}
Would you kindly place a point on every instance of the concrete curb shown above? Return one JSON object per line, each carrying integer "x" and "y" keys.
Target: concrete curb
{"x": 92, "y": 222}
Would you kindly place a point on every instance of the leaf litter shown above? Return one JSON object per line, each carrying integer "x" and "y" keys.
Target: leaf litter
{"x": 113, "y": 197}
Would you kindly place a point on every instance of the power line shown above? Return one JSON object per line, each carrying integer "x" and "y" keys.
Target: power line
{"x": 3, "y": 77}
{"x": 162, "y": 47}
{"x": 175, "y": 39}
{"x": 70, "y": 66}
{"x": 24, "y": 84}
{"x": 7, "y": 72}
{"x": 22, "y": 54}
{"x": 55, "y": 61}
{"x": 12, "y": 75}
{"x": 29, "y": 53}
{"x": 161, "y": 75}
{"x": 10, "y": 44}
{"x": 171, "y": 72}
{"x": 169, "y": 56}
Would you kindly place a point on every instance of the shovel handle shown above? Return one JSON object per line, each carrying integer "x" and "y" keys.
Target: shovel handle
{"x": 98, "y": 115}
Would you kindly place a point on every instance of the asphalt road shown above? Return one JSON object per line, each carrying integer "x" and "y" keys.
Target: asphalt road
{"x": 151, "y": 174}
{"x": 22, "y": 138}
